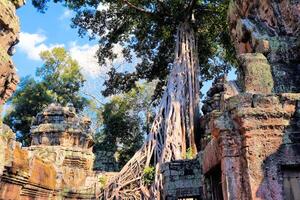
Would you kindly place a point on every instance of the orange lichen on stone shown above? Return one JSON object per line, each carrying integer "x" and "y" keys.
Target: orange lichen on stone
{"x": 42, "y": 173}
{"x": 20, "y": 162}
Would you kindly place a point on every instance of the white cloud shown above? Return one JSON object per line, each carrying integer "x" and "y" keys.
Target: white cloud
{"x": 33, "y": 44}
{"x": 102, "y": 7}
{"x": 86, "y": 58}
{"x": 67, "y": 14}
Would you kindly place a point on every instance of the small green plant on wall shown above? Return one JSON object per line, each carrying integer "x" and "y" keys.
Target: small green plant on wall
{"x": 189, "y": 153}
{"x": 148, "y": 175}
{"x": 102, "y": 181}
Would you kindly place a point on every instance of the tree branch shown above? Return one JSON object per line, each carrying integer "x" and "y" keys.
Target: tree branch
{"x": 93, "y": 97}
{"x": 189, "y": 10}
{"x": 136, "y": 7}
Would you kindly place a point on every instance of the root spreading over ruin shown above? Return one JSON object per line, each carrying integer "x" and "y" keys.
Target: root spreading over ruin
{"x": 172, "y": 132}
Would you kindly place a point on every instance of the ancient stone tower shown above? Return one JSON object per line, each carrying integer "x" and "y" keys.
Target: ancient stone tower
{"x": 57, "y": 165}
{"x": 60, "y": 137}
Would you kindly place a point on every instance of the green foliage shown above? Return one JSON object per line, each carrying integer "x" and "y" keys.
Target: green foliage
{"x": 189, "y": 153}
{"x": 29, "y": 99}
{"x": 124, "y": 123}
{"x": 148, "y": 29}
{"x": 60, "y": 81}
{"x": 148, "y": 175}
{"x": 102, "y": 180}
{"x": 61, "y": 75}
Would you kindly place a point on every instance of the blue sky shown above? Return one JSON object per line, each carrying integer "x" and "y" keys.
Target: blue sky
{"x": 43, "y": 31}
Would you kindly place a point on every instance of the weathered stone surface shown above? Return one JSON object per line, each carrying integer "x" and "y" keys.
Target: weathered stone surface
{"x": 256, "y": 75}
{"x": 105, "y": 161}
{"x": 42, "y": 173}
{"x": 9, "y": 33}
{"x": 272, "y": 28}
{"x": 218, "y": 93}
{"x": 60, "y": 137}
{"x": 262, "y": 138}
{"x": 61, "y": 126}
{"x": 182, "y": 179}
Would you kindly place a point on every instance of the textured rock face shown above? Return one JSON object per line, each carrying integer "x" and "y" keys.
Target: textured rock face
{"x": 60, "y": 126}
{"x": 58, "y": 164}
{"x": 256, "y": 75}
{"x": 22, "y": 175}
{"x": 272, "y": 28}
{"x": 9, "y": 33}
{"x": 250, "y": 141}
{"x": 253, "y": 139}
{"x": 217, "y": 95}
{"x": 60, "y": 137}
{"x": 181, "y": 179}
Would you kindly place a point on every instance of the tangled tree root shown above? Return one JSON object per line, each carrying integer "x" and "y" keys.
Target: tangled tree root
{"x": 172, "y": 132}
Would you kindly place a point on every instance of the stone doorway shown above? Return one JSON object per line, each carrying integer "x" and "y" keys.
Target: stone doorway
{"x": 291, "y": 183}
{"x": 214, "y": 183}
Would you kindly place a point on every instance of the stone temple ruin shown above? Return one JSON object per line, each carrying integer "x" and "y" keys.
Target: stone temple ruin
{"x": 57, "y": 165}
{"x": 250, "y": 130}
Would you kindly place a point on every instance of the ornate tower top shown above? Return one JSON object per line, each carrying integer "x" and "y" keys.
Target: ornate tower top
{"x": 58, "y": 125}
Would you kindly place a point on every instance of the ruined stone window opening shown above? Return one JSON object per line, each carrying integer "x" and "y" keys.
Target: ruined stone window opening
{"x": 291, "y": 182}
{"x": 214, "y": 183}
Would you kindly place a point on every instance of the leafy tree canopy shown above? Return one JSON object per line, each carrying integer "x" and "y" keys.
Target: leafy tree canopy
{"x": 61, "y": 74}
{"x": 60, "y": 81}
{"x": 125, "y": 123}
{"x": 147, "y": 28}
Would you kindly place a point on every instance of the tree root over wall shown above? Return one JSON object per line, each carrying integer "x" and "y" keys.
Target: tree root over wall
{"x": 173, "y": 129}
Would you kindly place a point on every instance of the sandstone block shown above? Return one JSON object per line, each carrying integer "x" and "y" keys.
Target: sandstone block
{"x": 256, "y": 74}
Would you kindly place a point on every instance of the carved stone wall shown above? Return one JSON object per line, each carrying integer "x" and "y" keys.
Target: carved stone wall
{"x": 105, "y": 161}
{"x": 23, "y": 176}
{"x": 58, "y": 164}
{"x": 250, "y": 141}
{"x": 253, "y": 138}
{"x": 272, "y": 28}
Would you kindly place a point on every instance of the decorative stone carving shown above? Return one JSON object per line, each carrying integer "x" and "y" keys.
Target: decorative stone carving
{"x": 60, "y": 126}
{"x": 217, "y": 95}
{"x": 254, "y": 136}
{"x": 272, "y": 28}
{"x": 252, "y": 139}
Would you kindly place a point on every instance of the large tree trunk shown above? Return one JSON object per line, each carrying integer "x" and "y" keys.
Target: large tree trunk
{"x": 173, "y": 130}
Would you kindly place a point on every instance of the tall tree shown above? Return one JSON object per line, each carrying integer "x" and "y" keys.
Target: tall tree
{"x": 59, "y": 81}
{"x": 29, "y": 99}
{"x": 148, "y": 28}
{"x": 61, "y": 74}
{"x": 124, "y": 123}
